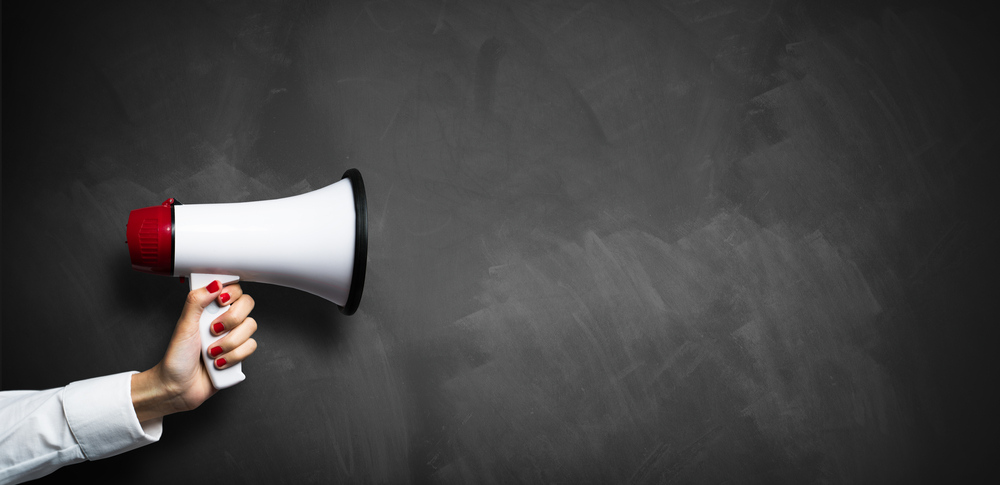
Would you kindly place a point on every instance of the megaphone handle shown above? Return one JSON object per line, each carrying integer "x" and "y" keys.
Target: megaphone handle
{"x": 223, "y": 378}
{"x": 231, "y": 375}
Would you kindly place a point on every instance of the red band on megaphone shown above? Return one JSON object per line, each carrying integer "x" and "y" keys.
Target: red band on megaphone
{"x": 150, "y": 238}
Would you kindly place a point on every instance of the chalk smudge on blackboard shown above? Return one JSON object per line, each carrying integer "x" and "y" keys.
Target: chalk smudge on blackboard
{"x": 584, "y": 343}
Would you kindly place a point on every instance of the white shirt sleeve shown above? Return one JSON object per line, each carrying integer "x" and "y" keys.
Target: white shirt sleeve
{"x": 41, "y": 431}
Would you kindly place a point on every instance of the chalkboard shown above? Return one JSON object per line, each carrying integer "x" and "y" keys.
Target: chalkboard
{"x": 711, "y": 241}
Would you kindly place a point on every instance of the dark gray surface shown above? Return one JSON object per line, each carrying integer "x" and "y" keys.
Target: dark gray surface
{"x": 693, "y": 242}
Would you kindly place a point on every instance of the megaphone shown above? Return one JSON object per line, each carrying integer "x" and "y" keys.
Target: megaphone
{"x": 315, "y": 242}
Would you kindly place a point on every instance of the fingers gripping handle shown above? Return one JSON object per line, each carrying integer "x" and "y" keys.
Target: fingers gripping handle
{"x": 229, "y": 376}
{"x": 223, "y": 378}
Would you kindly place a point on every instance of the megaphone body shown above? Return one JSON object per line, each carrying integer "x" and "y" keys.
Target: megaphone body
{"x": 315, "y": 242}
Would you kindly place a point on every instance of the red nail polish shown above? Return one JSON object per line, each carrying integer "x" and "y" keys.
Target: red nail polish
{"x": 218, "y": 327}
{"x": 212, "y": 287}
{"x": 215, "y": 351}
{"x": 220, "y": 362}
{"x": 224, "y": 297}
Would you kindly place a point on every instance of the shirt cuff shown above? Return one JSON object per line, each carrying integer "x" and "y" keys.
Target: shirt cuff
{"x": 100, "y": 415}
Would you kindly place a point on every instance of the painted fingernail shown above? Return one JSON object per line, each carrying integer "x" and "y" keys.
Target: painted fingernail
{"x": 224, "y": 297}
{"x": 215, "y": 351}
{"x": 220, "y": 363}
{"x": 218, "y": 327}
{"x": 212, "y": 287}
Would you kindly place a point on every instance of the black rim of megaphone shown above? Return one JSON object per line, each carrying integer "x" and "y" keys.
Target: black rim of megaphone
{"x": 360, "y": 242}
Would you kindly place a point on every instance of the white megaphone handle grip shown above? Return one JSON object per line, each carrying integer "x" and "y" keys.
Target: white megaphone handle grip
{"x": 231, "y": 375}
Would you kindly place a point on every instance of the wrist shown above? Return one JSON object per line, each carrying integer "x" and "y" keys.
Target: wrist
{"x": 150, "y": 397}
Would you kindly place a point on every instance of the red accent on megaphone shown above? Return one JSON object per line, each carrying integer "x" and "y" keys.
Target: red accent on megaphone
{"x": 150, "y": 238}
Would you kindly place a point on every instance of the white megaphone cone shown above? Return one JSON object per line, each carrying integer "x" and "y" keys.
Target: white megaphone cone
{"x": 315, "y": 242}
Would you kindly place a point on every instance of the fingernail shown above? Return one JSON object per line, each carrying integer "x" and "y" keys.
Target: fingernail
{"x": 215, "y": 351}
{"x": 218, "y": 327}
{"x": 220, "y": 363}
{"x": 224, "y": 297}
{"x": 212, "y": 287}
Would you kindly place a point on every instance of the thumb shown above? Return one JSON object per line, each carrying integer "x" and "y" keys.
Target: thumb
{"x": 195, "y": 304}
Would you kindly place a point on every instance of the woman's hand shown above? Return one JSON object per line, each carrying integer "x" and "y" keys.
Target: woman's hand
{"x": 180, "y": 382}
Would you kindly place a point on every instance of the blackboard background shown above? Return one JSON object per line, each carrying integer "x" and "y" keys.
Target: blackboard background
{"x": 695, "y": 242}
